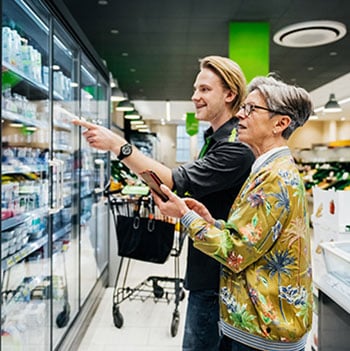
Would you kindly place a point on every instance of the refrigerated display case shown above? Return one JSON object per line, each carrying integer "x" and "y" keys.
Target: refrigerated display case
{"x": 54, "y": 231}
{"x": 94, "y": 172}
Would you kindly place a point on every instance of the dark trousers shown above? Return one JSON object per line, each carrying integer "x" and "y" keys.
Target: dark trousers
{"x": 201, "y": 325}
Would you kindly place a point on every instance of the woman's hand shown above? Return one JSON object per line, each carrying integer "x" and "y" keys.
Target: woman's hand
{"x": 177, "y": 207}
{"x": 174, "y": 207}
{"x": 200, "y": 209}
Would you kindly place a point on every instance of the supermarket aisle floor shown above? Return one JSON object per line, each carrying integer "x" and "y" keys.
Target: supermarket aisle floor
{"x": 146, "y": 327}
{"x": 147, "y": 324}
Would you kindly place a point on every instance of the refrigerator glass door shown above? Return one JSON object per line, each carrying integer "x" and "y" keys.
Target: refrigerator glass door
{"x": 102, "y": 172}
{"x": 90, "y": 184}
{"x": 26, "y": 286}
{"x": 65, "y": 195}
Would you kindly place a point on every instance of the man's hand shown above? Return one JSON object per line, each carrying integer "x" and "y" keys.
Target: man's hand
{"x": 100, "y": 137}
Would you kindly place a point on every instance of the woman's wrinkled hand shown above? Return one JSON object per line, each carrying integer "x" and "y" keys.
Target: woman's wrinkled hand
{"x": 200, "y": 209}
{"x": 174, "y": 206}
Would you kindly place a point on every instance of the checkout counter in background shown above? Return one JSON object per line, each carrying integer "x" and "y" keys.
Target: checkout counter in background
{"x": 331, "y": 269}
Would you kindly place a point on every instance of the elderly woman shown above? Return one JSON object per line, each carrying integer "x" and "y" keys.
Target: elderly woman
{"x": 264, "y": 246}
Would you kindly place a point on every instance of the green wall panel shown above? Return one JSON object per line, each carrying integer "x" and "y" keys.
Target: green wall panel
{"x": 249, "y": 44}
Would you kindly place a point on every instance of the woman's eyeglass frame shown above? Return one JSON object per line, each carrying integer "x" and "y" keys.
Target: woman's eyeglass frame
{"x": 249, "y": 108}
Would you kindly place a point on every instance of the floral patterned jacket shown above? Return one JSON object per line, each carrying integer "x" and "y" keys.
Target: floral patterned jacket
{"x": 264, "y": 249}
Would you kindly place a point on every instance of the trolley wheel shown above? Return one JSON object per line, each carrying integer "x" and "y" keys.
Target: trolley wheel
{"x": 117, "y": 317}
{"x": 158, "y": 291}
{"x": 62, "y": 318}
{"x": 182, "y": 294}
{"x": 175, "y": 323}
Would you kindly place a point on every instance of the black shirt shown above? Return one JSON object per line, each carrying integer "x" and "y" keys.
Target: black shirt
{"x": 214, "y": 180}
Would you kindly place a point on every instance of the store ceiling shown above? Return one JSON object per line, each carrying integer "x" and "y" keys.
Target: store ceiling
{"x": 155, "y": 50}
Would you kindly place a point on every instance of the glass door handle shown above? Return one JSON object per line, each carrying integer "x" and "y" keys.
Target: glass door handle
{"x": 101, "y": 164}
{"x": 61, "y": 192}
{"x": 58, "y": 191}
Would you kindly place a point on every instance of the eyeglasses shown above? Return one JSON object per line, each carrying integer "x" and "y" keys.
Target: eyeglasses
{"x": 248, "y": 109}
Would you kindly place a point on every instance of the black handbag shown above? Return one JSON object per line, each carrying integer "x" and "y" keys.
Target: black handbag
{"x": 144, "y": 238}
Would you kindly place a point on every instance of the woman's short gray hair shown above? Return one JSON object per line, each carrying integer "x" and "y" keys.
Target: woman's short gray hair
{"x": 286, "y": 99}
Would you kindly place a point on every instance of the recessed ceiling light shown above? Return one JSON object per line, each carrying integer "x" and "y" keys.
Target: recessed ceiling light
{"x": 308, "y": 34}
{"x": 132, "y": 70}
{"x": 333, "y": 53}
{"x": 125, "y": 54}
{"x": 114, "y": 31}
{"x": 102, "y": 2}
{"x": 310, "y": 68}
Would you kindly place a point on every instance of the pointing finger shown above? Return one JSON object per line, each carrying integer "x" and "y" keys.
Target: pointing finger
{"x": 83, "y": 123}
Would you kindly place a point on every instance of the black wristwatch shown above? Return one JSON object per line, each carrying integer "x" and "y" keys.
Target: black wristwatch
{"x": 125, "y": 151}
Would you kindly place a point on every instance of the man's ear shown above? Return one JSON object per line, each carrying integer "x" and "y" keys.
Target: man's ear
{"x": 230, "y": 96}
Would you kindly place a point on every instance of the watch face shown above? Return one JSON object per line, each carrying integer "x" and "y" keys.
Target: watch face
{"x": 126, "y": 149}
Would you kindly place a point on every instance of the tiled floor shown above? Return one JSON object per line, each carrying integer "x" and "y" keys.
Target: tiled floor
{"x": 147, "y": 325}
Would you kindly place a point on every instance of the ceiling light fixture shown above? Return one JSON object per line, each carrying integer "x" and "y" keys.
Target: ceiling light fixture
{"x": 167, "y": 111}
{"x": 137, "y": 122}
{"x": 125, "y": 105}
{"x": 144, "y": 130}
{"x": 113, "y": 83}
{"x": 117, "y": 94}
{"x": 341, "y": 103}
{"x": 313, "y": 116}
{"x": 311, "y": 33}
{"x": 332, "y": 105}
{"x": 16, "y": 124}
{"x": 133, "y": 115}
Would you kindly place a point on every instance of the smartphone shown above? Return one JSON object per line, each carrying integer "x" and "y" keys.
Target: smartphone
{"x": 153, "y": 181}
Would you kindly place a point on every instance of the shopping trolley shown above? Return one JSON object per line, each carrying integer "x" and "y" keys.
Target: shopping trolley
{"x": 158, "y": 288}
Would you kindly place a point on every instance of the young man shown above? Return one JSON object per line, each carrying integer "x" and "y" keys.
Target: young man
{"x": 215, "y": 179}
